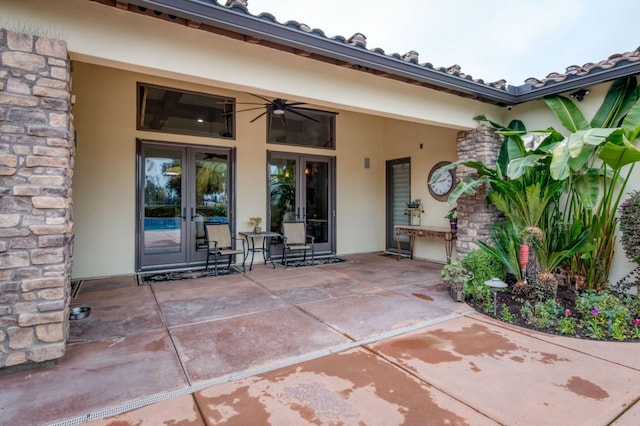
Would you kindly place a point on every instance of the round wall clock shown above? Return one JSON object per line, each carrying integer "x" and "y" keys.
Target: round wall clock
{"x": 441, "y": 189}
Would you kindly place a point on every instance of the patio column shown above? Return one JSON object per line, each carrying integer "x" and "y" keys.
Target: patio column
{"x": 475, "y": 217}
{"x": 36, "y": 229}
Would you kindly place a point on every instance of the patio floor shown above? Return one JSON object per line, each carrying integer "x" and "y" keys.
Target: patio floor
{"x": 371, "y": 341}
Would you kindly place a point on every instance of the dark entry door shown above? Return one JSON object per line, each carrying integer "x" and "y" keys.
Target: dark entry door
{"x": 398, "y": 177}
{"x": 180, "y": 188}
{"x": 302, "y": 189}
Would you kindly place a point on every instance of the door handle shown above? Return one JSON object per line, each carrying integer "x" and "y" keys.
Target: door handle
{"x": 184, "y": 213}
{"x": 298, "y": 213}
{"x": 193, "y": 216}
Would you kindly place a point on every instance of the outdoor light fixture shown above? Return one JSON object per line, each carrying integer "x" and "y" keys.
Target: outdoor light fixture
{"x": 579, "y": 94}
{"x": 495, "y": 284}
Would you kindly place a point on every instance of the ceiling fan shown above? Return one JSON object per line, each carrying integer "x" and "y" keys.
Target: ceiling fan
{"x": 277, "y": 106}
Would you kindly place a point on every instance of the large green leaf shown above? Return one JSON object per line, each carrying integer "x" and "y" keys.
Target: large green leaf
{"x": 577, "y": 163}
{"x": 632, "y": 97}
{"x": 613, "y": 101}
{"x": 517, "y": 125}
{"x": 559, "y": 166}
{"x": 511, "y": 149}
{"x": 632, "y": 120}
{"x": 595, "y": 136}
{"x": 616, "y": 156}
{"x": 467, "y": 186}
{"x": 518, "y": 166}
{"x": 587, "y": 187}
{"x": 567, "y": 112}
{"x": 483, "y": 118}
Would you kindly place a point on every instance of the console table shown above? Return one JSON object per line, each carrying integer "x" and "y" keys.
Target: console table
{"x": 413, "y": 231}
{"x": 265, "y": 249}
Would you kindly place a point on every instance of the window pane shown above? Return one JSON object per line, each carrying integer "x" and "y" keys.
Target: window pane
{"x": 173, "y": 111}
{"x": 293, "y": 129}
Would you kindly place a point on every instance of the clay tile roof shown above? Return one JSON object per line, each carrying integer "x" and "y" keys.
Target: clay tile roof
{"x": 613, "y": 61}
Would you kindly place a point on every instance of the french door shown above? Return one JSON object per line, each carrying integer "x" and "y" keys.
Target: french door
{"x": 180, "y": 188}
{"x": 398, "y": 177}
{"x": 302, "y": 189}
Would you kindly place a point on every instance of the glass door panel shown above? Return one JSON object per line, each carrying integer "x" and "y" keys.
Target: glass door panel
{"x": 180, "y": 189}
{"x": 211, "y": 202}
{"x": 282, "y": 184}
{"x": 398, "y": 194}
{"x": 317, "y": 200}
{"x": 301, "y": 188}
{"x": 163, "y": 225}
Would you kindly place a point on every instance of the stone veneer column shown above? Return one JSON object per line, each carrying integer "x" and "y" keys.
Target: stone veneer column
{"x": 475, "y": 217}
{"x": 36, "y": 229}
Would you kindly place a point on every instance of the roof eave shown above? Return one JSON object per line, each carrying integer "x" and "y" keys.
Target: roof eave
{"x": 255, "y": 27}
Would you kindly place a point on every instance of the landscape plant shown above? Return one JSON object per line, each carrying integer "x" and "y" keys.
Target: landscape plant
{"x": 590, "y": 167}
{"x": 630, "y": 226}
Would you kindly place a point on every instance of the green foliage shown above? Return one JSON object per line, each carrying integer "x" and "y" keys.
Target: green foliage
{"x": 606, "y": 315}
{"x": 477, "y": 291}
{"x": 483, "y": 266}
{"x": 507, "y": 316}
{"x": 456, "y": 275}
{"x": 567, "y": 324}
{"x": 505, "y": 248}
{"x": 568, "y": 187}
{"x": 543, "y": 315}
{"x": 630, "y": 226}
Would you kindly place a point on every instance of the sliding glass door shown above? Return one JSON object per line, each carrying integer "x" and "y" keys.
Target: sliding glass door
{"x": 180, "y": 188}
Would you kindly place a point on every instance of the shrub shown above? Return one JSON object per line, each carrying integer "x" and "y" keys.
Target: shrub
{"x": 483, "y": 266}
{"x": 630, "y": 226}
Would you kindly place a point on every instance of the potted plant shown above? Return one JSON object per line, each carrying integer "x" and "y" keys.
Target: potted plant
{"x": 256, "y": 221}
{"x": 457, "y": 277}
{"x": 414, "y": 204}
{"x": 452, "y": 215}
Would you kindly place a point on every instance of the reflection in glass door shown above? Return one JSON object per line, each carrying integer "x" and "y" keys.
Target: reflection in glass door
{"x": 301, "y": 188}
{"x": 180, "y": 189}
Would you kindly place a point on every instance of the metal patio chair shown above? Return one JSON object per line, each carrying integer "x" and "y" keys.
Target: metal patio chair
{"x": 295, "y": 239}
{"x": 220, "y": 243}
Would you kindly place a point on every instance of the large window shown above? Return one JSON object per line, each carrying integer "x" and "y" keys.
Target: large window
{"x": 294, "y": 129}
{"x": 175, "y": 111}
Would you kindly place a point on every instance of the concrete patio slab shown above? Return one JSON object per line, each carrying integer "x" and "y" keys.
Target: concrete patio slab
{"x": 372, "y": 313}
{"x": 214, "y": 349}
{"x": 353, "y": 387}
{"x": 181, "y": 410}
{"x": 270, "y": 343}
{"x": 91, "y": 376}
{"x": 116, "y": 317}
{"x": 216, "y": 301}
{"x": 513, "y": 377}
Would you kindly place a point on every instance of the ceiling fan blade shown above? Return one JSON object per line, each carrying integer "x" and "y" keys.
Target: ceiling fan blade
{"x": 258, "y": 117}
{"x": 294, "y": 104}
{"x": 251, "y": 109}
{"x": 262, "y": 97}
{"x": 302, "y": 115}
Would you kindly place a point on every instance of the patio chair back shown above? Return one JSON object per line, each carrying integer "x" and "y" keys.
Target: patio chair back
{"x": 295, "y": 233}
{"x": 220, "y": 233}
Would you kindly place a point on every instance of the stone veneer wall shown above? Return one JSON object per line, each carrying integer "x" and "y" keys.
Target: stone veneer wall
{"x": 36, "y": 166}
{"x": 475, "y": 217}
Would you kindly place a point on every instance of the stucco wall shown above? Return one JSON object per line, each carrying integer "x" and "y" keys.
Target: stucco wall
{"x": 109, "y": 36}
{"x": 104, "y": 184}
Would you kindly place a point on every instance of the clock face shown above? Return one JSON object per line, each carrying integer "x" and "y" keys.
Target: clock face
{"x": 441, "y": 188}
